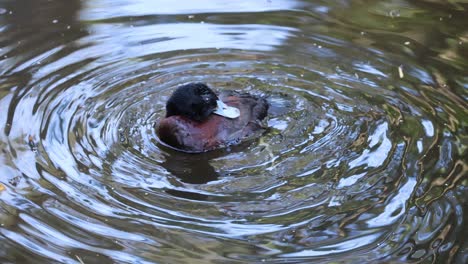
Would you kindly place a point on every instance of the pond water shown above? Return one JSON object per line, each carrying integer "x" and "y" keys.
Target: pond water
{"x": 364, "y": 158}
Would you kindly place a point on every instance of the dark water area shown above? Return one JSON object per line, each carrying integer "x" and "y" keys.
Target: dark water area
{"x": 364, "y": 159}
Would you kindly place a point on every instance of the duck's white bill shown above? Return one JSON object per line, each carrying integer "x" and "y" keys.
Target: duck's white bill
{"x": 225, "y": 110}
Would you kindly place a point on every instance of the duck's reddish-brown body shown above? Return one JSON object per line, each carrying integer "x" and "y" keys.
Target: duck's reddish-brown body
{"x": 216, "y": 131}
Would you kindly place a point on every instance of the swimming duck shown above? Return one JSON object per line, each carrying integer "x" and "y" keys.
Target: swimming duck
{"x": 199, "y": 120}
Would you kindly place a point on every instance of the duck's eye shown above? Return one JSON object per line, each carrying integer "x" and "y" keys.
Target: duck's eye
{"x": 206, "y": 97}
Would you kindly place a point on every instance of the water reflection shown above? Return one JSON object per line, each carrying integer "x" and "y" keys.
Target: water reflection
{"x": 33, "y": 31}
{"x": 190, "y": 168}
{"x": 363, "y": 159}
{"x": 144, "y": 40}
{"x": 101, "y": 9}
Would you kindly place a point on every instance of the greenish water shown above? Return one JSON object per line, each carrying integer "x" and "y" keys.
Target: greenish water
{"x": 364, "y": 159}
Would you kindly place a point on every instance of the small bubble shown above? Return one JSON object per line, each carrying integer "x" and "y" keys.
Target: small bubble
{"x": 363, "y": 33}
{"x": 319, "y": 46}
{"x": 10, "y": 13}
{"x": 190, "y": 16}
{"x": 202, "y": 22}
{"x": 55, "y": 21}
{"x": 441, "y": 18}
{"x": 68, "y": 27}
{"x": 407, "y": 43}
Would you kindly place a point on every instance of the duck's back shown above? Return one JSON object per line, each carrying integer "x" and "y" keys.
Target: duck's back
{"x": 217, "y": 131}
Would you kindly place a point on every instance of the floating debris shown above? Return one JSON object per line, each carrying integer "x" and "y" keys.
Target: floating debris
{"x": 79, "y": 259}
{"x": 32, "y": 144}
{"x": 15, "y": 180}
{"x": 400, "y": 71}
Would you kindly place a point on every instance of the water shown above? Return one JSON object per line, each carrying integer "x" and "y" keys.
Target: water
{"x": 364, "y": 159}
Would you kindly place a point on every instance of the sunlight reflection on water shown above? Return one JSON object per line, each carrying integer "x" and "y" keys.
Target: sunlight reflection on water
{"x": 362, "y": 159}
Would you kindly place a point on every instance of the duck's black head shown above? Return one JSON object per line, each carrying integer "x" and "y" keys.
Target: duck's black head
{"x": 195, "y": 101}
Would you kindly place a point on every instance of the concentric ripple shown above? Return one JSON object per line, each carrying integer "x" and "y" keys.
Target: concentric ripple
{"x": 362, "y": 158}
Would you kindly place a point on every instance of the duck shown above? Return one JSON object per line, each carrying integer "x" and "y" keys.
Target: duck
{"x": 199, "y": 120}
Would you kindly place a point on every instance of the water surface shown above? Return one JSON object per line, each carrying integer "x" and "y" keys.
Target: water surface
{"x": 364, "y": 158}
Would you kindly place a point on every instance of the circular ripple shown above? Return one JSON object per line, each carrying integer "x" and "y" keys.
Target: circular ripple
{"x": 354, "y": 160}
{"x": 329, "y": 175}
